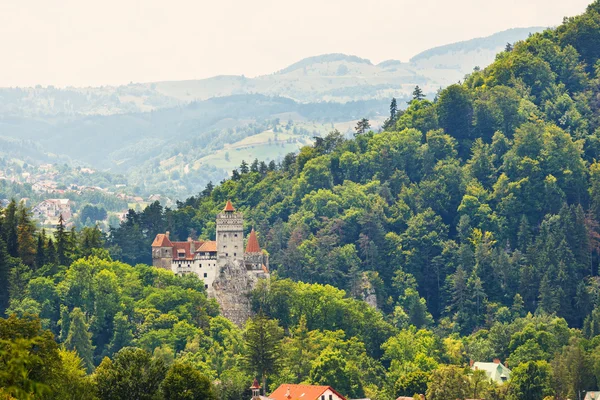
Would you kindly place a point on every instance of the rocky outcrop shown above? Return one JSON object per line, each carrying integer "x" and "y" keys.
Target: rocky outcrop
{"x": 364, "y": 290}
{"x": 231, "y": 289}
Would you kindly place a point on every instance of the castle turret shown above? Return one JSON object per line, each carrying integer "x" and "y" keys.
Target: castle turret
{"x": 162, "y": 251}
{"x": 255, "y": 390}
{"x": 230, "y": 235}
{"x": 254, "y": 257}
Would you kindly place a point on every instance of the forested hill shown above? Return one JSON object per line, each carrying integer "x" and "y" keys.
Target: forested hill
{"x": 474, "y": 219}
{"x": 487, "y": 195}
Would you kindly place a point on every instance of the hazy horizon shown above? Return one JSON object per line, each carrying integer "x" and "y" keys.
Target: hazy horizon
{"x": 80, "y": 43}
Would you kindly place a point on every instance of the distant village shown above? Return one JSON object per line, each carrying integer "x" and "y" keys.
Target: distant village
{"x": 50, "y": 195}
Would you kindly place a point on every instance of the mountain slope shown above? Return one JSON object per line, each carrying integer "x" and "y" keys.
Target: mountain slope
{"x": 472, "y": 211}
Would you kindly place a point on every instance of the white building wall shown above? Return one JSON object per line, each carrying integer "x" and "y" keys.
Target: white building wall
{"x": 329, "y": 395}
{"x": 205, "y": 268}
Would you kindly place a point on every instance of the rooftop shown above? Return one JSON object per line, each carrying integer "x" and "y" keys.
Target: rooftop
{"x": 229, "y": 207}
{"x": 496, "y": 371}
{"x": 252, "y": 246}
{"x": 287, "y": 391}
{"x": 162, "y": 240}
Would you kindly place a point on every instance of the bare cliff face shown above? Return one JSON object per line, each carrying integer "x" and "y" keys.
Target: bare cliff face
{"x": 231, "y": 289}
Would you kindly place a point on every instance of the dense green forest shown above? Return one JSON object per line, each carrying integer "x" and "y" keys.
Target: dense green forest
{"x": 473, "y": 219}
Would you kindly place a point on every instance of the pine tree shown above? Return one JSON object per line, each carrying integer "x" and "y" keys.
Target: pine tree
{"x": 74, "y": 249}
{"x": 362, "y": 126}
{"x": 262, "y": 168}
{"x": 50, "y": 254}
{"x": 390, "y": 123}
{"x": 40, "y": 252}
{"x": 91, "y": 238}
{"x": 518, "y": 306}
{"x": 62, "y": 243}
{"x": 122, "y": 336}
{"x": 80, "y": 339}
{"x": 509, "y": 47}
{"x": 25, "y": 236}
{"x": 263, "y": 338}
{"x": 393, "y": 110}
{"x": 418, "y": 94}
{"x": 244, "y": 167}
{"x": 10, "y": 229}
{"x": 64, "y": 323}
{"x": 254, "y": 165}
{"x": 4, "y": 273}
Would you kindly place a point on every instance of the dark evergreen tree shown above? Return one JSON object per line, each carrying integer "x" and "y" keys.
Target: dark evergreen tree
{"x": 40, "y": 252}
{"x": 418, "y": 94}
{"x": 50, "y": 255}
{"x": 244, "y": 167}
{"x": 80, "y": 339}
{"x": 63, "y": 243}
{"x": 362, "y": 126}
{"x": 9, "y": 229}
{"x": 4, "y": 274}
{"x": 263, "y": 338}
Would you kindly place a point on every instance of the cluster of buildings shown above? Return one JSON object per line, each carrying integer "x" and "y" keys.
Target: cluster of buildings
{"x": 49, "y": 211}
{"x": 208, "y": 259}
{"x": 495, "y": 371}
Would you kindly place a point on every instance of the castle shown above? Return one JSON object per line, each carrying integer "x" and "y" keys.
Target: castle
{"x": 223, "y": 264}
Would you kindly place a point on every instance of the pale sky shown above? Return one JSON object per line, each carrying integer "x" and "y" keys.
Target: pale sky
{"x": 109, "y": 42}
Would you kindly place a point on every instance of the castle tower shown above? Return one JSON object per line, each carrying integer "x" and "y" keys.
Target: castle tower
{"x": 230, "y": 235}
{"x": 254, "y": 257}
{"x": 162, "y": 251}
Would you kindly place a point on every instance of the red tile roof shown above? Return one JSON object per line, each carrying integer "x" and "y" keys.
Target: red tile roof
{"x": 208, "y": 247}
{"x": 229, "y": 207}
{"x": 252, "y": 246}
{"x": 300, "y": 392}
{"x": 162, "y": 240}
{"x": 178, "y": 247}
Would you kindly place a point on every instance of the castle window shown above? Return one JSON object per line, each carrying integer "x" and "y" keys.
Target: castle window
{"x": 234, "y": 254}
{"x": 205, "y": 275}
{"x": 226, "y": 254}
{"x": 224, "y": 235}
{"x": 205, "y": 286}
{"x": 235, "y": 234}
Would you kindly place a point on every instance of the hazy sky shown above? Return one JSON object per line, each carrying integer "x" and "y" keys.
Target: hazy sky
{"x": 81, "y": 42}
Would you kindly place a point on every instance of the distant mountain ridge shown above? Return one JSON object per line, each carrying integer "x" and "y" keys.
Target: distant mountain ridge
{"x": 174, "y": 136}
{"x": 491, "y": 42}
{"x": 332, "y": 77}
{"x": 332, "y": 57}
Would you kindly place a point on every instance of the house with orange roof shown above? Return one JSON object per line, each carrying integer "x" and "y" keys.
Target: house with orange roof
{"x": 305, "y": 392}
{"x": 207, "y": 258}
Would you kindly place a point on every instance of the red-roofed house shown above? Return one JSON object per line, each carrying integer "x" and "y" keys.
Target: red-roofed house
{"x": 205, "y": 257}
{"x": 305, "y": 392}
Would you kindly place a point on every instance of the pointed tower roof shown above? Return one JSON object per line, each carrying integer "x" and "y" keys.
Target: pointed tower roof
{"x": 229, "y": 207}
{"x": 162, "y": 240}
{"x": 252, "y": 246}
